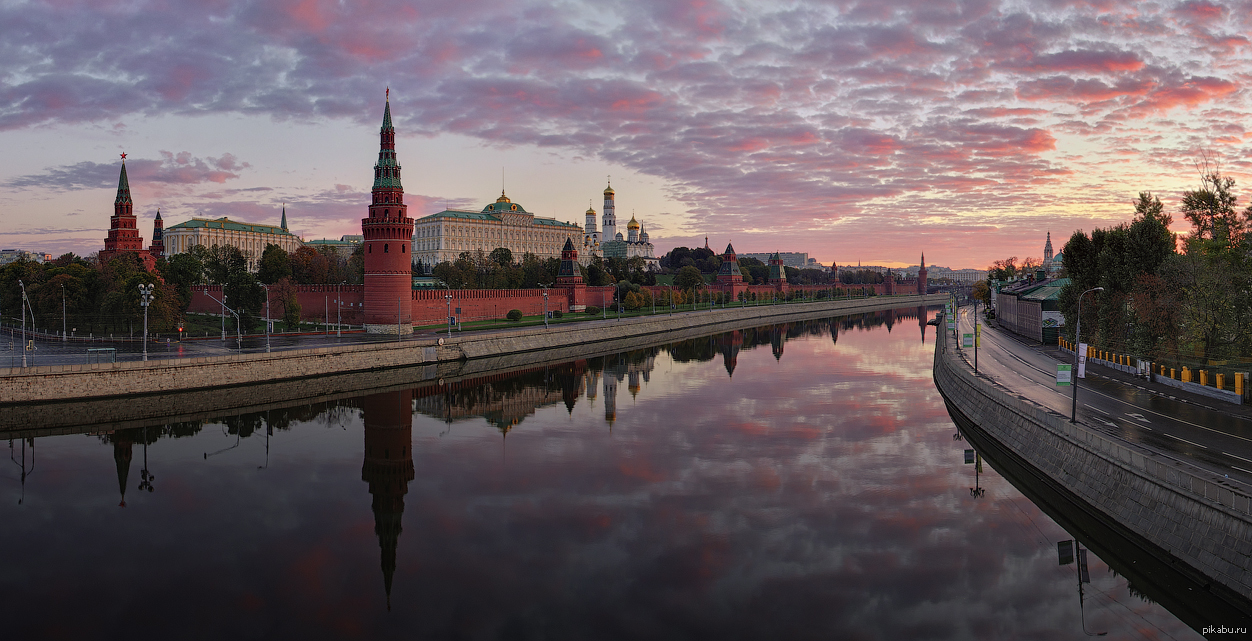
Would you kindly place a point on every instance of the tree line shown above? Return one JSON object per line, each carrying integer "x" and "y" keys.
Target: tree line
{"x": 103, "y": 299}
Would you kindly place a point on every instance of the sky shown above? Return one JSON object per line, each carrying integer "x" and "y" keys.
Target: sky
{"x": 857, "y": 131}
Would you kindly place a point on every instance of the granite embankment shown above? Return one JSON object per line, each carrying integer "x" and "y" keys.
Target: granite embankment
{"x": 1200, "y": 522}
{"x": 471, "y": 351}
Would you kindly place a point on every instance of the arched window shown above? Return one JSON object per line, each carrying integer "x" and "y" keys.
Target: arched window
{"x": 386, "y": 248}
{"x": 402, "y": 249}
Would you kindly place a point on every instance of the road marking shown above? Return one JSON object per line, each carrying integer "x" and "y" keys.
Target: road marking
{"x": 1184, "y": 440}
{"x": 1240, "y": 469}
{"x": 1239, "y": 457}
{"x": 1138, "y": 417}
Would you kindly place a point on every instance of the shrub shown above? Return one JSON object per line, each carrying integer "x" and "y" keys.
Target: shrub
{"x": 556, "y": 313}
{"x": 592, "y": 310}
{"x": 514, "y": 315}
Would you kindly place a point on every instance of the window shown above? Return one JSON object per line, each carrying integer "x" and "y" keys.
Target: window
{"x": 386, "y": 248}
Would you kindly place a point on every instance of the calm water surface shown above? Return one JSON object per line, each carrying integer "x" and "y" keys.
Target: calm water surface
{"x": 796, "y": 481}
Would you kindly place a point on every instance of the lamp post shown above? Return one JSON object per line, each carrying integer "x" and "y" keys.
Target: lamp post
{"x": 975, "y": 336}
{"x": 1073, "y": 410}
{"x": 545, "y": 303}
{"x": 268, "y": 319}
{"x": 23, "y": 309}
{"x": 145, "y": 298}
{"x": 223, "y": 301}
{"x": 63, "y": 339}
{"x": 339, "y": 311}
{"x": 448, "y": 296}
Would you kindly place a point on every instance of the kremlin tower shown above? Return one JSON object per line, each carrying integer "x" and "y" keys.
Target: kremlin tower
{"x": 609, "y": 225}
{"x": 921, "y": 276}
{"x": 123, "y": 234}
{"x": 157, "y": 248}
{"x": 388, "y": 235}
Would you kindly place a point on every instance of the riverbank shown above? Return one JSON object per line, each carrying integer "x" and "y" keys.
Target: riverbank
{"x": 56, "y": 384}
{"x": 1196, "y": 521}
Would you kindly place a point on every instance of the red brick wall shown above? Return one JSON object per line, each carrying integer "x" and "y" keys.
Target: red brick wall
{"x": 430, "y": 305}
{"x": 315, "y": 301}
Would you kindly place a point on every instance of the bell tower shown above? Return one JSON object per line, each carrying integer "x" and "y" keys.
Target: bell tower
{"x": 388, "y": 235}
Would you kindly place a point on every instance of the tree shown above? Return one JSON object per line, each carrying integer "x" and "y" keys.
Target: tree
{"x": 275, "y": 265}
{"x": 502, "y": 256}
{"x": 688, "y": 277}
{"x": 286, "y": 293}
{"x": 309, "y": 267}
{"x": 223, "y": 260}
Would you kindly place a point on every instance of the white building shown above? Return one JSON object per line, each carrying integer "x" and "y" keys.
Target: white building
{"x": 250, "y": 238}
{"x": 441, "y": 237}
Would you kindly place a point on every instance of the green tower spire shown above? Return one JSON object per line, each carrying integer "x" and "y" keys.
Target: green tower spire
{"x": 123, "y": 186}
{"x": 284, "y": 223}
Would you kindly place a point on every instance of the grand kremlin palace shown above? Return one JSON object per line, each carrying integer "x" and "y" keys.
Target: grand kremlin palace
{"x": 250, "y": 238}
{"x": 441, "y": 237}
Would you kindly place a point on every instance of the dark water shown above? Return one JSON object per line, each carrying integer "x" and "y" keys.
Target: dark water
{"x": 796, "y": 481}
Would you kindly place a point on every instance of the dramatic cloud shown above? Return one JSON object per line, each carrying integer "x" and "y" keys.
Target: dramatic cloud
{"x": 176, "y": 169}
{"x": 783, "y": 119}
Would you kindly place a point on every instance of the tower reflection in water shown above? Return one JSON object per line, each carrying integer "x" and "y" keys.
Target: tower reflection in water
{"x": 388, "y": 468}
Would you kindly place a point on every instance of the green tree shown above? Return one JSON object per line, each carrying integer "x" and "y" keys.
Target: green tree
{"x": 502, "y": 256}
{"x": 275, "y": 265}
{"x": 688, "y": 277}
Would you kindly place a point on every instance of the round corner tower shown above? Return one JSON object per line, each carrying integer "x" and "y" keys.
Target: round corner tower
{"x": 388, "y": 235}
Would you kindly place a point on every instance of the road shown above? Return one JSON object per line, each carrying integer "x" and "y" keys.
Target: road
{"x": 1214, "y": 438}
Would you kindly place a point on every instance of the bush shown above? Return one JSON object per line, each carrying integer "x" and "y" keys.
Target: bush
{"x": 592, "y": 310}
{"x": 514, "y": 315}
{"x": 556, "y": 313}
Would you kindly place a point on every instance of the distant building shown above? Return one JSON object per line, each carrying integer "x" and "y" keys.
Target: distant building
{"x": 123, "y": 237}
{"x": 441, "y": 237}
{"x": 344, "y": 246}
{"x": 799, "y": 260}
{"x": 1031, "y": 308}
{"x": 250, "y": 238}
{"x": 157, "y": 248}
{"x": 13, "y": 255}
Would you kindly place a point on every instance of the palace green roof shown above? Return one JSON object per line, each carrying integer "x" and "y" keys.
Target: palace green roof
{"x": 229, "y": 225}
{"x": 457, "y": 214}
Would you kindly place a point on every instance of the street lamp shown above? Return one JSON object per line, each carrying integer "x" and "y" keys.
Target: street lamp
{"x": 268, "y": 320}
{"x": 63, "y": 339}
{"x": 545, "y": 303}
{"x": 1073, "y": 411}
{"x": 145, "y": 298}
{"x": 448, "y": 296}
{"x": 23, "y": 310}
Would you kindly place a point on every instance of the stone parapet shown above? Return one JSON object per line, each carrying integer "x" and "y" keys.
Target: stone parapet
{"x": 49, "y": 384}
{"x": 1198, "y": 517}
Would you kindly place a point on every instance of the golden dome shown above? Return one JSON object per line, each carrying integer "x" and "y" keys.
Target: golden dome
{"x": 633, "y": 224}
{"x": 608, "y": 190}
{"x": 503, "y": 198}
{"x": 591, "y": 211}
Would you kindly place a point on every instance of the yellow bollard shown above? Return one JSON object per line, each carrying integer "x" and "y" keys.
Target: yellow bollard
{"x": 1239, "y": 383}
{"x": 1173, "y": 374}
{"x": 1221, "y": 381}
{"x": 1186, "y": 374}
{"x": 1204, "y": 377}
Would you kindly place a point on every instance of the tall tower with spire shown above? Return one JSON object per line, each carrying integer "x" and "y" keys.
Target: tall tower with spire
{"x": 1047, "y": 254}
{"x": 157, "y": 248}
{"x": 388, "y": 468}
{"x": 610, "y": 215}
{"x": 921, "y": 276}
{"x": 388, "y": 235}
{"x": 123, "y": 231}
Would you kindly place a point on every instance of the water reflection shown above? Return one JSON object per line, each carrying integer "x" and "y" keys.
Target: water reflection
{"x": 709, "y": 487}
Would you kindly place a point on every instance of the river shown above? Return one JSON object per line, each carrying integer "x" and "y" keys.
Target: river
{"x": 795, "y": 481}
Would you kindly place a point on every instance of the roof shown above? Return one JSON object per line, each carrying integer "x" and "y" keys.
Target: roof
{"x": 1046, "y": 290}
{"x": 229, "y": 225}
{"x": 488, "y": 217}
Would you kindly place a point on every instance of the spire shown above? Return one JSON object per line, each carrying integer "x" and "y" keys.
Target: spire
{"x": 923, "y": 260}
{"x": 387, "y": 112}
{"x": 158, "y": 213}
{"x": 123, "y": 186}
{"x": 284, "y": 223}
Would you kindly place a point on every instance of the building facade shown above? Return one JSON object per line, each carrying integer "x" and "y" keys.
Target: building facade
{"x": 441, "y": 237}
{"x": 344, "y": 246}
{"x": 388, "y": 233}
{"x": 250, "y": 238}
{"x": 799, "y": 260}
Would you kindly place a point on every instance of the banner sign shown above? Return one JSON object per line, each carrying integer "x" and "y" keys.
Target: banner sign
{"x": 1082, "y": 360}
{"x": 967, "y": 340}
{"x": 1063, "y": 373}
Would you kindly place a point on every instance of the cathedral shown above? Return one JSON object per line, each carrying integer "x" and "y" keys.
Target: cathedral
{"x": 611, "y": 243}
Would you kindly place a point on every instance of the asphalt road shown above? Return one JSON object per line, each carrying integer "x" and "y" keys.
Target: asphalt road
{"x": 1167, "y": 420}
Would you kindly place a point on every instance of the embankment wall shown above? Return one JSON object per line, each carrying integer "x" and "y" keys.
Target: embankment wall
{"x": 1201, "y": 519}
{"x": 52, "y": 384}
